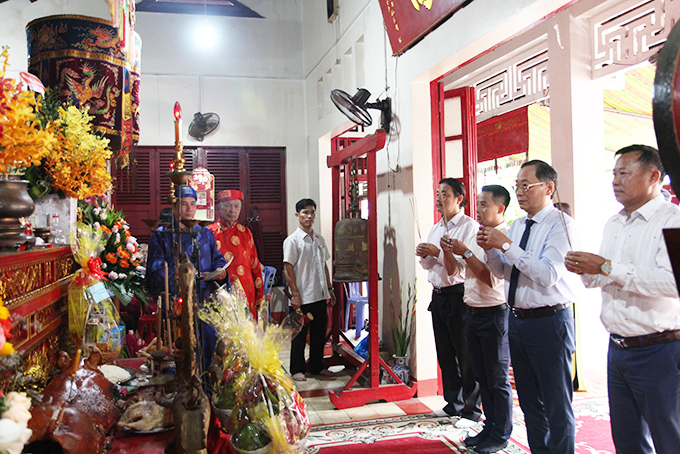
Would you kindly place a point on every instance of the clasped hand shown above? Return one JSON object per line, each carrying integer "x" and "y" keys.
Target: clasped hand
{"x": 489, "y": 237}
{"x": 455, "y": 246}
{"x": 425, "y": 249}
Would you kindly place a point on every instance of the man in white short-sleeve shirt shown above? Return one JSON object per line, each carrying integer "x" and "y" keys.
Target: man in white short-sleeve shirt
{"x": 304, "y": 265}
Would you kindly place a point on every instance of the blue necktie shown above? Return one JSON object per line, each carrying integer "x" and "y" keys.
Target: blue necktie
{"x": 514, "y": 275}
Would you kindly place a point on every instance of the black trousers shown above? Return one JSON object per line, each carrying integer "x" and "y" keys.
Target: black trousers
{"x": 461, "y": 391}
{"x": 487, "y": 336}
{"x": 317, "y": 340}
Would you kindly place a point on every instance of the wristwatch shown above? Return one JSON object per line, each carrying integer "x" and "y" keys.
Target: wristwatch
{"x": 505, "y": 246}
{"x": 606, "y": 267}
{"x": 467, "y": 254}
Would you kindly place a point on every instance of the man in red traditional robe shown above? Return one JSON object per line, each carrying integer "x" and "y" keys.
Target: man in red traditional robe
{"x": 235, "y": 241}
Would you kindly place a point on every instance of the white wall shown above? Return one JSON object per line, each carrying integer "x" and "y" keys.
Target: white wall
{"x": 251, "y": 77}
{"x": 16, "y": 14}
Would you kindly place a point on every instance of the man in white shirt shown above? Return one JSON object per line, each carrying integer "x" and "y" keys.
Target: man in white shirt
{"x": 640, "y": 307}
{"x": 539, "y": 292}
{"x": 461, "y": 391}
{"x": 304, "y": 265}
{"x": 486, "y": 327}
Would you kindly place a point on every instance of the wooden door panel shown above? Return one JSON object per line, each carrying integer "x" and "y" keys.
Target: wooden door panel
{"x": 140, "y": 191}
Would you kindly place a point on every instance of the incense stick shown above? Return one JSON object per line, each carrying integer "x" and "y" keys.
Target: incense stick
{"x": 414, "y": 209}
{"x": 446, "y": 221}
{"x": 564, "y": 222}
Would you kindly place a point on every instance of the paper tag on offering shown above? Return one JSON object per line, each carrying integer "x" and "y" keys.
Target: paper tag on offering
{"x": 98, "y": 292}
{"x": 103, "y": 326}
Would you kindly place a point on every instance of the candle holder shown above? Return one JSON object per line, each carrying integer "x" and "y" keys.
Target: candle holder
{"x": 177, "y": 173}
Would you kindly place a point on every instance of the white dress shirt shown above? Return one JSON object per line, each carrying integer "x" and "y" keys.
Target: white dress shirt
{"x": 477, "y": 293}
{"x": 308, "y": 255}
{"x": 460, "y": 227}
{"x": 543, "y": 279}
{"x": 640, "y": 295}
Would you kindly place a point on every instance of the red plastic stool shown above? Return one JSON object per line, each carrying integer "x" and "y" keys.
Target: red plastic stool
{"x": 147, "y": 320}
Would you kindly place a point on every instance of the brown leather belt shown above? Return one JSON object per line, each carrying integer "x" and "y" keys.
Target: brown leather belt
{"x": 539, "y": 311}
{"x": 486, "y": 310}
{"x": 647, "y": 339}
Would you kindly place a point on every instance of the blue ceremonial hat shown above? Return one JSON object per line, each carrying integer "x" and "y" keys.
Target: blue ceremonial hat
{"x": 186, "y": 191}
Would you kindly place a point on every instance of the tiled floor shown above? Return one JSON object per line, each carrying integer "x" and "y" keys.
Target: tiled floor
{"x": 321, "y": 411}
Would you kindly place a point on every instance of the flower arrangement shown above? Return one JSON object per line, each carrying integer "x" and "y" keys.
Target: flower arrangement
{"x": 402, "y": 327}
{"x": 77, "y": 166}
{"x": 121, "y": 255}
{"x": 6, "y": 348}
{"x": 14, "y": 431}
{"x": 24, "y": 140}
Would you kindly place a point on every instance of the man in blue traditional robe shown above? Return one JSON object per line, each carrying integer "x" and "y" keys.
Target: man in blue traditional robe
{"x": 206, "y": 258}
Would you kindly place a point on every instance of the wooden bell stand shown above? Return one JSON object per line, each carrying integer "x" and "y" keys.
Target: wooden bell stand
{"x": 342, "y": 354}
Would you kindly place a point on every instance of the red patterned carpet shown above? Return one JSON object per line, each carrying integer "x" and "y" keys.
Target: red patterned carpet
{"x": 425, "y": 434}
{"x": 403, "y": 434}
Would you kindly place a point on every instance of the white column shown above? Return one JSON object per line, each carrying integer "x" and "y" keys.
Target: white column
{"x": 579, "y": 156}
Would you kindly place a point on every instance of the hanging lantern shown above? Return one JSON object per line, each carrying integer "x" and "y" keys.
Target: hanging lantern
{"x": 351, "y": 240}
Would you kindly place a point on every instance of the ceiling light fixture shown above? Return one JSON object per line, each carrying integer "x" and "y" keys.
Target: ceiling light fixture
{"x": 205, "y": 33}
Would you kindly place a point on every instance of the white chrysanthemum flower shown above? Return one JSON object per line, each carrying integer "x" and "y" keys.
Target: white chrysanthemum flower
{"x": 13, "y": 436}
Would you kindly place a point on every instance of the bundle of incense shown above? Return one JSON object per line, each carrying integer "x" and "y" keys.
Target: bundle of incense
{"x": 414, "y": 209}
{"x": 564, "y": 222}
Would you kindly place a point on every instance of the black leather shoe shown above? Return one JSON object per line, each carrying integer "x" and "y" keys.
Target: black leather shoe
{"x": 451, "y": 410}
{"x": 490, "y": 446}
{"x": 477, "y": 439}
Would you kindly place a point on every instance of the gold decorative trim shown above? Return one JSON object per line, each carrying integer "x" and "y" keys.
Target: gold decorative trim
{"x": 97, "y": 56}
{"x": 70, "y": 16}
{"x": 25, "y": 298}
{"x": 53, "y": 326}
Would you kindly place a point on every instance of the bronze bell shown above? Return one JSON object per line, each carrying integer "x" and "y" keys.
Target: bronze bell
{"x": 351, "y": 250}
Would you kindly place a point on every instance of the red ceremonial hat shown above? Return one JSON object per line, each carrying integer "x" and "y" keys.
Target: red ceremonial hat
{"x": 229, "y": 194}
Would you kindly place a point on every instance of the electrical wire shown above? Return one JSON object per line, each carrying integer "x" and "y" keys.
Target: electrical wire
{"x": 397, "y": 168}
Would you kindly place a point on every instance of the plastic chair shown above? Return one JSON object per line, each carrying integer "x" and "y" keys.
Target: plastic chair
{"x": 354, "y": 296}
{"x": 147, "y": 321}
{"x": 268, "y": 278}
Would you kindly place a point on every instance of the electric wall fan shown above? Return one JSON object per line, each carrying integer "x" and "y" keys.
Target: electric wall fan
{"x": 356, "y": 108}
{"x": 203, "y": 124}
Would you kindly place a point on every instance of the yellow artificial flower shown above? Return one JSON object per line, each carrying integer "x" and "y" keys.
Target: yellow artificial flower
{"x": 7, "y": 349}
{"x": 78, "y": 163}
{"x": 22, "y": 139}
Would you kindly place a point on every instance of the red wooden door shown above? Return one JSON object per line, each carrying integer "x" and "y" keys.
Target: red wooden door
{"x": 259, "y": 172}
{"x": 454, "y": 140}
{"x": 454, "y": 147}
